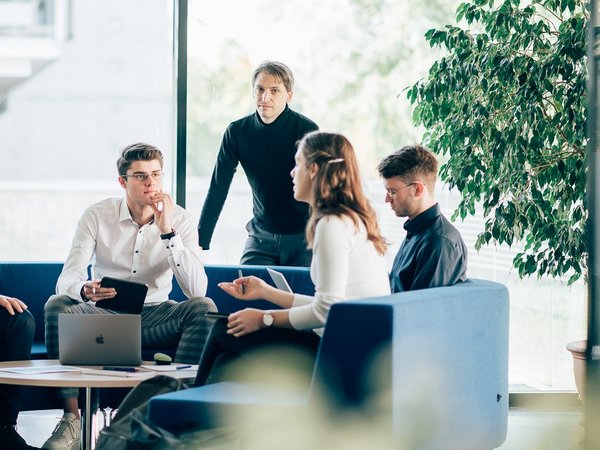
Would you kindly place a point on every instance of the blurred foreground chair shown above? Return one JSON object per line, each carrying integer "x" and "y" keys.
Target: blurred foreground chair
{"x": 424, "y": 369}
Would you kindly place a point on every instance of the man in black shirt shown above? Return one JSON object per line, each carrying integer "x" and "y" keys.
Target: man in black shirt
{"x": 264, "y": 143}
{"x": 433, "y": 253}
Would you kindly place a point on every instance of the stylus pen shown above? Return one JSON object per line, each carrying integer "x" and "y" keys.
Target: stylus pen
{"x": 182, "y": 367}
{"x": 240, "y": 275}
{"x": 120, "y": 369}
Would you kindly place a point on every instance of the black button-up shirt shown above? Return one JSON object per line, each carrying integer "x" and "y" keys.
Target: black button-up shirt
{"x": 432, "y": 255}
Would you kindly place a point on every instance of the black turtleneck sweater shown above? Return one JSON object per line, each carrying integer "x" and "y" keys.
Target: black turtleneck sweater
{"x": 266, "y": 153}
{"x": 432, "y": 255}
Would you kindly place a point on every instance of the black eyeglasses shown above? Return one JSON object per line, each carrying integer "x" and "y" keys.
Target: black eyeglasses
{"x": 143, "y": 176}
{"x": 393, "y": 191}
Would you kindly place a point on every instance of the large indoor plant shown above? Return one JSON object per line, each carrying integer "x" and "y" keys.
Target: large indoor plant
{"x": 506, "y": 106}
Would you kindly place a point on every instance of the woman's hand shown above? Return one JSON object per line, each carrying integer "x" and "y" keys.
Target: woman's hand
{"x": 246, "y": 288}
{"x": 245, "y": 321}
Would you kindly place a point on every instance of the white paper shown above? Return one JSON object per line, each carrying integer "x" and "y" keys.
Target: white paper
{"x": 32, "y": 370}
{"x": 112, "y": 373}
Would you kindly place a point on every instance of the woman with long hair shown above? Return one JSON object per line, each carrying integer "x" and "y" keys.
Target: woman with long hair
{"x": 348, "y": 258}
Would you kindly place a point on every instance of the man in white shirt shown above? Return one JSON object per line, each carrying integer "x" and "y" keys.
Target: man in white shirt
{"x": 143, "y": 237}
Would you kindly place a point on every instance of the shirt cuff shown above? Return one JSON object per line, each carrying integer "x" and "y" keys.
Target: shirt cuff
{"x": 174, "y": 244}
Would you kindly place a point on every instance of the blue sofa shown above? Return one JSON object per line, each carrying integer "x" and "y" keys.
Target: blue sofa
{"x": 440, "y": 357}
{"x": 35, "y": 282}
{"x": 443, "y": 357}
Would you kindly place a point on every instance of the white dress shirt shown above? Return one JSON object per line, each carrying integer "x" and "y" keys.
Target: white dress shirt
{"x": 109, "y": 239}
{"x": 345, "y": 266}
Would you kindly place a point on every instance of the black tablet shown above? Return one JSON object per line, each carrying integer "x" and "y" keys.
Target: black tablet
{"x": 130, "y": 295}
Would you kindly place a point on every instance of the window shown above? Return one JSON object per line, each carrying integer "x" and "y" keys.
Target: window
{"x": 78, "y": 82}
{"x": 351, "y": 60}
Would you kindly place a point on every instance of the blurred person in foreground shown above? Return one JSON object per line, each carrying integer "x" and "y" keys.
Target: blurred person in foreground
{"x": 348, "y": 259}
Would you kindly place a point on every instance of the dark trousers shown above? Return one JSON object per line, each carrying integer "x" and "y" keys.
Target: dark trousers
{"x": 269, "y": 249}
{"x": 15, "y": 344}
{"x": 220, "y": 344}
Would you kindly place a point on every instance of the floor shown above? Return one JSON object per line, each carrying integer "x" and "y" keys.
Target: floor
{"x": 526, "y": 429}
{"x": 543, "y": 430}
{"x": 37, "y": 426}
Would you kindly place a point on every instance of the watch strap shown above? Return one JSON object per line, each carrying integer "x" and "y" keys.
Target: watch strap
{"x": 168, "y": 236}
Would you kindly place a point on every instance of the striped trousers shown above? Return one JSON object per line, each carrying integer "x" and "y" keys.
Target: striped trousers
{"x": 167, "y": 324}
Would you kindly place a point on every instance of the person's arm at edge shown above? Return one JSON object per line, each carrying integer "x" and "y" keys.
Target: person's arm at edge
{"x": 222, "y": 176}
{"x": 74, "y": 273}
{"x": 185, "y": 257}
{"x": 331, "y": 254}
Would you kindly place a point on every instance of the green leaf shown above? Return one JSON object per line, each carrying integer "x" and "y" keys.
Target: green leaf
{"x": 507, "y": 106}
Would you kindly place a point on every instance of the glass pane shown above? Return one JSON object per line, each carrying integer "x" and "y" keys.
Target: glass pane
{"x": 78, "y": 82}
{"x": 352, "y": 59}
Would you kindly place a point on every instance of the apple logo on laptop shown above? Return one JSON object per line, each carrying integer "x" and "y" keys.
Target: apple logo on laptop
{"x": 100, "y": 339}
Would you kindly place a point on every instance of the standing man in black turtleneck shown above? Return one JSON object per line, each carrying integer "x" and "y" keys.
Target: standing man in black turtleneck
{"x": 264, "y": 143}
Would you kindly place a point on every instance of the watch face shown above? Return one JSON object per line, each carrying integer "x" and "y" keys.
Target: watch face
{"x": 268, "y": 319}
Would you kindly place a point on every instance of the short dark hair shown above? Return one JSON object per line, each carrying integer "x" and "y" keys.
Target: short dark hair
{"x": 410, "y": 163}
{"x": 137, "y": 152}
{"x": 277, "y": 69}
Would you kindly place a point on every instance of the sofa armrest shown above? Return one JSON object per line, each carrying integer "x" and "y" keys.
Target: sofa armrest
{"x": 444, "y": 349}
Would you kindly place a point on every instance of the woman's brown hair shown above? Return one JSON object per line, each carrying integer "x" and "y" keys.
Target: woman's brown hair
{"x": 337, "y": 186}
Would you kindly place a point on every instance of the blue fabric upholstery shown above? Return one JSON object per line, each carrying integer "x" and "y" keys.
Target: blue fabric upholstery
{"x": 438, "y": 354}
{"x": 35, "y": 282}
{"x": 32, "y": 282}
{"x": 210, "y": 408}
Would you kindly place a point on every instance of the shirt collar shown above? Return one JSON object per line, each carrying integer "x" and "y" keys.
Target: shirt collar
{"x": 278, "y": 120}
{"x": 124, "y": 213}
{"x": 420, "y": 222}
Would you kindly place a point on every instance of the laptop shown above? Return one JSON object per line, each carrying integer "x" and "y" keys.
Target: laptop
{"x": 279, "y": 280}
{"x": 100, "y": 339}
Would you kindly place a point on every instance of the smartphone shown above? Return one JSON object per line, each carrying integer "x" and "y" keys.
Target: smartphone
{"x": 279, "y": 280}
{"x": 217, "y": 315}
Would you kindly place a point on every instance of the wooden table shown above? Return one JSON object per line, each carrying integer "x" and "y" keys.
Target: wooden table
{"x": 81, "y": 380}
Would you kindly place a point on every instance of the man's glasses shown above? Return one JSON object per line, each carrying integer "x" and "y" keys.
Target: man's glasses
{"x": 393, "y": 191}
{"x": 143, "y": 176}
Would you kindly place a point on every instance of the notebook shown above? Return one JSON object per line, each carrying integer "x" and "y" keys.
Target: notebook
{"x": 100, "y": 339}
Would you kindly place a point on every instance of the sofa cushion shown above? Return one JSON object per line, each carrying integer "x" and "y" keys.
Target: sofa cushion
{"x": 236, "y": 403}
{"x": 35, "y": 282}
